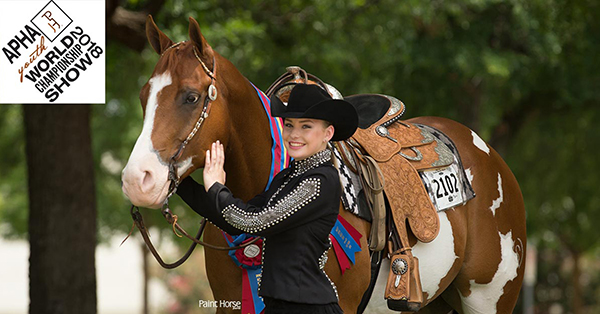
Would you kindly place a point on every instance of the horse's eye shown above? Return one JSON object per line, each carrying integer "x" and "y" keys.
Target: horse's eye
{"x": 192, "y": 99}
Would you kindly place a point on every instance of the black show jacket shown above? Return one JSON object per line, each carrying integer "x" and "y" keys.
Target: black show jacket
{"x": 295, "y": 216}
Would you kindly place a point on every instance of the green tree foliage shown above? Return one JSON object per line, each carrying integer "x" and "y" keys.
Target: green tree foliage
{"x": 13, "y": 175}
{"x": 556, "y": 165}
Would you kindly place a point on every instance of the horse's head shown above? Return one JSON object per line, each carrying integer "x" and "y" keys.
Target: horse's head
{"x": 175, "y": 101}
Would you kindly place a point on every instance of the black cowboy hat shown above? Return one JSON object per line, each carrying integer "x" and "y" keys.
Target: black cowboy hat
{"x": 313, "y": 102}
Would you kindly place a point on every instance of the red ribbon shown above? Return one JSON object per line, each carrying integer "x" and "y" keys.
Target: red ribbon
{"x": 353, "y": 232}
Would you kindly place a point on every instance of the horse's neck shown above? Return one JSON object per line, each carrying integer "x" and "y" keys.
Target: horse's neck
{"x": 248, "y": 155}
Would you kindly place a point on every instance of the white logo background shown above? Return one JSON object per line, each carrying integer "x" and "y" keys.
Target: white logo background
{"x": 88, "y": 15}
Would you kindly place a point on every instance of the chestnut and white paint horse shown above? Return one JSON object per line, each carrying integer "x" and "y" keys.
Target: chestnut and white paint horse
{"x": 475, "y": 265}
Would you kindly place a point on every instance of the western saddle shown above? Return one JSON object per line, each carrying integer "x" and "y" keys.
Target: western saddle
{"x": 387, "y": 154}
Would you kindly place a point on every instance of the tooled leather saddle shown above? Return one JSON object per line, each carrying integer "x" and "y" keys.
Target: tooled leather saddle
{"x": 388, "y": 154}
{"x": 400, "y": 150}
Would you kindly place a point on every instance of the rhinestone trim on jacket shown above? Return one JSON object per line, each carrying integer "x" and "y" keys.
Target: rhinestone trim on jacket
{"x": 322, "y": 261}
{"x": 301, "y": 166}
{"x": 307, "y": 191}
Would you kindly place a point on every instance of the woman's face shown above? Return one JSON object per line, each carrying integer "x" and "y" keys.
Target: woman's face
{"x": 304, "y": 137}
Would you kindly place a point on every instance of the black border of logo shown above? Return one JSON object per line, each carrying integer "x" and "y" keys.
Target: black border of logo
{"x": 36, "y": 15}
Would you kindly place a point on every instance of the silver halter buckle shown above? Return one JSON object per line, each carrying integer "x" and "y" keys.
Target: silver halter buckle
{"x": 212, "y": 92}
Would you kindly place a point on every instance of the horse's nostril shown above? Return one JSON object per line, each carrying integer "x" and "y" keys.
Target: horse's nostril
{"x": 147, "y": 181}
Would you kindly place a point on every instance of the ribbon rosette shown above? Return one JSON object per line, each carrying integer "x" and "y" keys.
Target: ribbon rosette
{"x": 251, "y": 255}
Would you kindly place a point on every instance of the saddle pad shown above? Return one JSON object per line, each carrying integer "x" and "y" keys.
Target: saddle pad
{"x": 353, "y": 196}
{"x": 349, "y": 186}
{"x": 444, "y": 194}
{"x": 426, "y": 156}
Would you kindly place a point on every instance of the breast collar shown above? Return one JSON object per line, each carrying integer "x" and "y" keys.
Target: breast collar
{"x": 299, "y": 167}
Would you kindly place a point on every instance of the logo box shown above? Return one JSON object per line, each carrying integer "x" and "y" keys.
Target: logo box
{"x": 52, "y": 52}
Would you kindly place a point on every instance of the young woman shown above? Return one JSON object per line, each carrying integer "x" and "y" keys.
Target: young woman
{"x": 297, "y": 212}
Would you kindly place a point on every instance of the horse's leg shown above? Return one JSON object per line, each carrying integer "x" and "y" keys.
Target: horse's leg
{"x": 224, "y": 276}
{"x": 352, "y": 285}
{"x": 500, "y": 252}
{"x": 492, "y": 272}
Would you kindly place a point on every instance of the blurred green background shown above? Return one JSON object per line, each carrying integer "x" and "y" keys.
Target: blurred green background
{"x": 523, "y": 74}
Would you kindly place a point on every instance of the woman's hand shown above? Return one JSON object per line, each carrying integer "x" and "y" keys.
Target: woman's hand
{"x": 213, "y": 165}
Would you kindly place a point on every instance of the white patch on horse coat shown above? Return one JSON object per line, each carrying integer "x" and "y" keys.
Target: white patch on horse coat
{"x": 496, "y": 203}
{"x": 484, "y": 297}
{"x": 480, "y": 143}
{"x": 436, "y": 257}
{"x": 469, "y": 175}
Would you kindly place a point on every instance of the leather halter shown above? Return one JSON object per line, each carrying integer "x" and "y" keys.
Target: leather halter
{"x": 174, "y": 181}
{"x": 211, "y": 95}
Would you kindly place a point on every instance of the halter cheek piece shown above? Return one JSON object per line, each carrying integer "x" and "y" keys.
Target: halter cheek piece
{"x": 211, "y": 96}
{"x": 174, "y": 180}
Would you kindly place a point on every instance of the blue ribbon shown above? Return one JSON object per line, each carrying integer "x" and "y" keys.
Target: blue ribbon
{"x": 254, "y": 272}
{"x": 345, "y": 240}
{"x": 253, "y": 276}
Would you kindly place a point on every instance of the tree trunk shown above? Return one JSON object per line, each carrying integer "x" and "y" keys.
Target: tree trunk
{"x": 62, "y": 209}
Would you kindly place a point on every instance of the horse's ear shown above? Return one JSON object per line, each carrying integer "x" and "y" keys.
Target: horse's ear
{"x": 157, "y": 39}
{"x": 204, "y": 49}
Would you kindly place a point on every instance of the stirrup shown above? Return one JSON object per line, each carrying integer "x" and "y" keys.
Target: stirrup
{"x": 403, "y": 291}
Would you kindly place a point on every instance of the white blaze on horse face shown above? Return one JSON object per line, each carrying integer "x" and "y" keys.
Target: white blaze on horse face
{"x": 436, "y": 257}
{"x": 145, "y": 175}
{"x": 496, "y": 203}
{"x": 477, "y": 141}
{"x": 484, "y": 297}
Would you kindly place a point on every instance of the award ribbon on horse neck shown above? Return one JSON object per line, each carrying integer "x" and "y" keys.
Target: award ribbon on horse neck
{"x": 280, "y": 157}
{"x": 249, "y": 259}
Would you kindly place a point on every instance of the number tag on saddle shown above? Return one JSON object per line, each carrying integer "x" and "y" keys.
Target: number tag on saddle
{"x": 444, "y": 186}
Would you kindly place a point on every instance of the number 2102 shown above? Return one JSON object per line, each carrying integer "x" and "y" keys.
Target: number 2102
{"x": 449, "y": 184}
